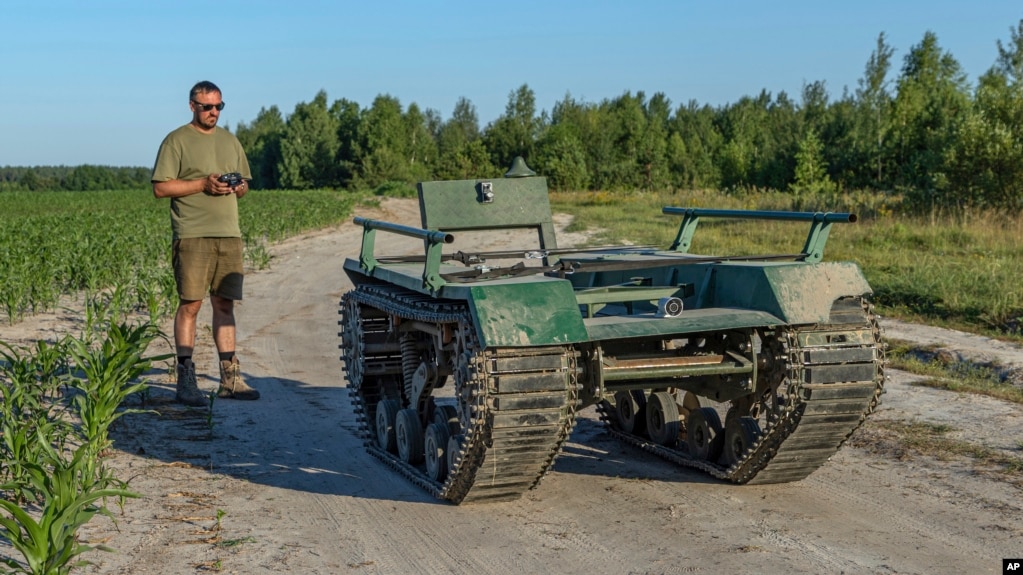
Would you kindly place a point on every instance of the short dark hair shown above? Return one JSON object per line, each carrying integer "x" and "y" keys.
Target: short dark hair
{"x": 203, "y": 87}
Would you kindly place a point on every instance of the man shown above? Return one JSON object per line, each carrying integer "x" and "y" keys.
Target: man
{"x": 207, "y": 243}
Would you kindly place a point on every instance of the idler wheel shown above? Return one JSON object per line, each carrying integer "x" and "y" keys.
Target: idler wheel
{"x": 662, "y": 421}
{"x": 387, "y": 413}
{"x": 704, "y": 434}
{"x": 409, "y": 436}
{"x": 630, "y": 406}
{"x": 740, "y": 435}
{"x": 436, "y": 447}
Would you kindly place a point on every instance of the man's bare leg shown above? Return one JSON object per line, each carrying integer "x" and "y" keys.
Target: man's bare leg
{"x": 231, "y": 382}
{"x": 187, "y": 390}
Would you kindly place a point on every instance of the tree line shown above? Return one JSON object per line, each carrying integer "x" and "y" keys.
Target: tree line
{"x": 921, "y": 131}
{"x": 84, "y": 178}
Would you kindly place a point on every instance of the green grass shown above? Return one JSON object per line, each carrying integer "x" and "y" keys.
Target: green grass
{"x": 960, "y": 272}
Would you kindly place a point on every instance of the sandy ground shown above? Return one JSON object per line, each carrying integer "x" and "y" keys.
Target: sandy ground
{"x": 282, "y": 485}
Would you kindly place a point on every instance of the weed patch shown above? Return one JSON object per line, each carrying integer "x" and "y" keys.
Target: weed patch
{"x": 944, "y": 369}
{"x": 902, "y": 440}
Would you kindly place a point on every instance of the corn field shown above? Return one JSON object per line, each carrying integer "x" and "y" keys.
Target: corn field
{"x": 55, "y": 243}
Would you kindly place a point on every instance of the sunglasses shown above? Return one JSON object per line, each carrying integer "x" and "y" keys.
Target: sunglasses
{"x": 208, "y": 107}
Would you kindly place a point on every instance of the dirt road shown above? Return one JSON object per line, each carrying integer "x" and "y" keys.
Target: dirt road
{"x": 282, "y": 485}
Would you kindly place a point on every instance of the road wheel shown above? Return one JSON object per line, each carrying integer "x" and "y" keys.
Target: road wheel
{"x": 741, "y": 433}
{"x": 436, "y": 448}
{"x": 662, "y": 422}
{"x": 704, "y": 435}
{"x": 387, "y": 413}
{"x": 630, "y": 407}
{"x": 409, "y": 436}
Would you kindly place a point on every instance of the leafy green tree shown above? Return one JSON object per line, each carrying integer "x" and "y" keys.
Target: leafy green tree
{"x": 461, "y": 153}
{"x": 133, "y": 178}
{"x": 832, "y": 125}
{"x": 693, "y": 143}
{"x": 741, "y": 125}
{"x": 811, "y": 173}
{"x": 515, "y": 132}
{"x": 848, "y": 161}
{"x": 309, "y": 146}
{"x": 470, "y": 161}
{"x": 560, "y": 157}
{"x": 815, "y": 105}
{"x": 453, "y": 136}
{"x": 624, "y": 121}
{"x": 463, "y": 127}
{"x": 382, "y": 147}
{"x": 985, "y": 168}
{"x": 587, "y": 123}
{"x": 31, "y": 181}
{"x": 262, "y": 143}
{"x": 873, "y": 125}
{"x": 780, "y": 137}
{"x": 349, "y": 119}
{"x": 421, "y": 149}
{"x": 652, "y": 148}
{"x": 933, "y": 98}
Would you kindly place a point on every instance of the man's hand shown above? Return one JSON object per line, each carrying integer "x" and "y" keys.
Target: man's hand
{"x": 213, "y": 186}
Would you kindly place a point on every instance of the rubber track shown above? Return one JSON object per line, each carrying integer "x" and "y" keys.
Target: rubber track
{"x": 816, "y": 420}
{"x": 514, "y": 433}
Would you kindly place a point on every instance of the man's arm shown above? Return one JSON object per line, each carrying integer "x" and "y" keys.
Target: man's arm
{"x": 178, "y": 188}
{"x": 181, "y": 188}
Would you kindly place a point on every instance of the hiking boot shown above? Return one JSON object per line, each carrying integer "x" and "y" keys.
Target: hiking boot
{"x": 187, "y": 389}
{"x": 231, "y": 383}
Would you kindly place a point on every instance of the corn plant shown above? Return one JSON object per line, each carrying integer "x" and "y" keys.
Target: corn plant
{"x": 157, "y": 295}
{"x": 70, "y": 493}
{"x": 257, "y": 255}
{"x": 23, "y": 443}
{"x": 50, "y": 365}
{"x": 103, "y": 310}
{"x": 14, "y": 293}
{"x": 110, "y": 372}
{"x": 28, "y": 429}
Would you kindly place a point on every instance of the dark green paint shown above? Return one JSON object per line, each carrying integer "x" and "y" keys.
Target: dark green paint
{"x": 517, "y": 203}
{"x": 526, "y": 314}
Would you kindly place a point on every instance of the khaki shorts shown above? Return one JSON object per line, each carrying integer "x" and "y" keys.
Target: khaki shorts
{"x": 208, "y": 265}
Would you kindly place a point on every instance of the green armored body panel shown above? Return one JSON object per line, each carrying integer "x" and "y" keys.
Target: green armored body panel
{"x": 467, "y": 367}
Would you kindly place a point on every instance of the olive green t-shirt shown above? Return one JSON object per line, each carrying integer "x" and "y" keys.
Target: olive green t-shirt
{"x": 188, "y": 154}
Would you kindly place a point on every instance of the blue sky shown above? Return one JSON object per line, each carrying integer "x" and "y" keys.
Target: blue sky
{"x": 101, "y": 82}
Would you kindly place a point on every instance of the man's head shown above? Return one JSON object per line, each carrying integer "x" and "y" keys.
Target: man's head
{"x": 206, "y": 103}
